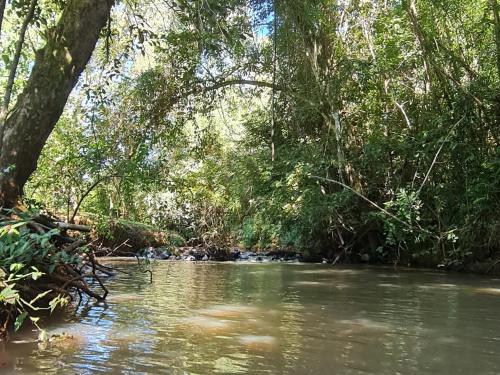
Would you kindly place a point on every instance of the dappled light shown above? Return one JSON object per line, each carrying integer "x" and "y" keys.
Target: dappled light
{"x": 249, "y": 186}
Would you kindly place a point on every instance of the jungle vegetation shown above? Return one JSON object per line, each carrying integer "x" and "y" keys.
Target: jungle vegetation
{"x": 349, "y": 130}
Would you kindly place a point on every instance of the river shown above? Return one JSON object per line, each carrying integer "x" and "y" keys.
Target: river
{"x": 230, "y": 318}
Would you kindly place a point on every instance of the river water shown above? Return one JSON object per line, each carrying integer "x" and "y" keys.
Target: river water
{"x": 230, "y": 318}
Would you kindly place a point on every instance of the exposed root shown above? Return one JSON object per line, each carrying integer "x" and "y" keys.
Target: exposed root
{"x": 65, "y": 279}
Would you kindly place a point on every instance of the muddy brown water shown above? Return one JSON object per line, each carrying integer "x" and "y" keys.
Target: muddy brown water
{"x": 230, "y": 318}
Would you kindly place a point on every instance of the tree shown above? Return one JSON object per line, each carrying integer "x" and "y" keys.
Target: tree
{"x": 57, "y": 67}
{"x": 394, "y": 101}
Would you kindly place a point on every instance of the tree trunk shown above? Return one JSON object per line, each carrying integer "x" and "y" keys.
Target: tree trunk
{"x": 17, "y": 57}
{"x": 496, "y": 19}
{"x": 13, "y": 67}
{"x": 2, "y": 11}
{"x": 55, "y": 72}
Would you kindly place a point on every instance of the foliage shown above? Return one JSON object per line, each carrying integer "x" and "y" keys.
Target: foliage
{"x": 22, "y": 254}
{"x": 396, "y": 102}
{"x": 130, "y": 236}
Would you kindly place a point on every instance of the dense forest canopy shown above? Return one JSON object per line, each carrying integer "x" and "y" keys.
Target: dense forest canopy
{"x": 340, "y": 128}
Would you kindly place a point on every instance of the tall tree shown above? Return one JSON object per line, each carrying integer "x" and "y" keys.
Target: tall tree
{"x": 55, "y": 72}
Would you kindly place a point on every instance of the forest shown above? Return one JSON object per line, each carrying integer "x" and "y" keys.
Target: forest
{"x": 343, "y": 131}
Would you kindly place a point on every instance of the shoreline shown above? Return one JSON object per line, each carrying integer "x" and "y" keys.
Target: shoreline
{"x": 371, "y": 266}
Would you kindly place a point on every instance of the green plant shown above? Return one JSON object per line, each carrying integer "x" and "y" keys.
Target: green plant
{"x": 11, "y": 297}
{"x": 22, "y": 254}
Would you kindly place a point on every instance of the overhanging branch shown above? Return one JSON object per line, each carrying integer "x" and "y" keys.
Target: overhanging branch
{"x": 226, "y": 83}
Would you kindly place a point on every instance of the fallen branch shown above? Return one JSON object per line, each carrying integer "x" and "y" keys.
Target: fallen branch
{"x": 75, "y": 245}
{"x": 75, "y": 227}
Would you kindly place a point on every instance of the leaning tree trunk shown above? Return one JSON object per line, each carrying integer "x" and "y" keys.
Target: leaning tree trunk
{"x": 55, "y": 72}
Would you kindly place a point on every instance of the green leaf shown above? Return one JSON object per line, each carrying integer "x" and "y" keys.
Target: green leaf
{"x": 36, "y": 275}
{"x": 20, "y": 320}
{"x": 9, "y": 295}
{"x": 52, "y": 267}
{"x": 14, "y": 267}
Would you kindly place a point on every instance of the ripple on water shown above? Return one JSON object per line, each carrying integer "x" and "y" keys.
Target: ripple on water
{"x": 447, "y": 340}
{"x": 341, "y": 286}
{"x": 389, "y": 275}
{"x": 228, "y": 365}
{"x": 316, "y": 272}
{"x": 229, "y": 311}
{"x": 347, "y": 272}
{"x": 201, "y": 318}
{"x": 437, "y": 286}
{"x": 321, "y": 283}
{"x": 490, "y": 291}
{"x": 330, "y": 271}
{"x": 121, "y": 298}
{"x": 311, "y": 283}
{"x": 206, "y": 324}
{"x": 366, "y": 324}
{"x": 257, "y": 342}
{"x": 388, "y": 285}
{"x": 122, "y": 337}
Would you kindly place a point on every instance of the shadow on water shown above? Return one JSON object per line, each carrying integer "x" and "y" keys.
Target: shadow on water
{"x": 274, "y": 318}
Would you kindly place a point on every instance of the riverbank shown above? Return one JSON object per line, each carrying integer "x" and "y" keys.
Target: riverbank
{"x": 116, "y": 237}
{"x": 205, "y": 254}
{"x": 213, "y": 254}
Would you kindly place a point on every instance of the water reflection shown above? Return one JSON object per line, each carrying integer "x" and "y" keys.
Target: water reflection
{"x": 275, "y": 318}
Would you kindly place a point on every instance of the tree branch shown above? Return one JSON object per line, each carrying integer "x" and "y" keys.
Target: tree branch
{"x": 230, "y": 82}
{"x": 87, "y": 192}
{"x": 236, "y": 81}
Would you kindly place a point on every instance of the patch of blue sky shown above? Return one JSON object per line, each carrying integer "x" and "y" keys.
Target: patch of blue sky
{"x": 263, "y": 28}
